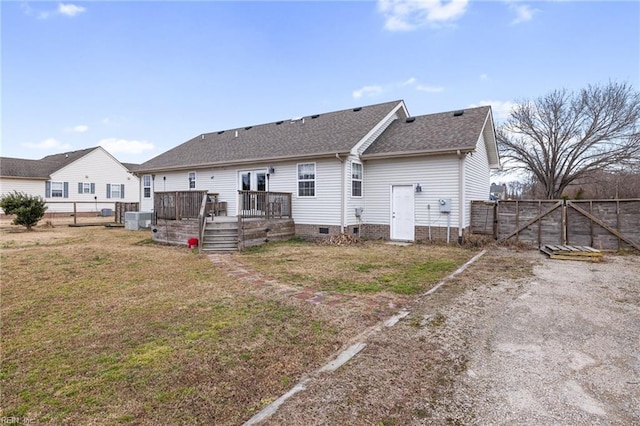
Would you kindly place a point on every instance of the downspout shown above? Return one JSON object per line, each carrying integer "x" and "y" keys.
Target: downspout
{"x": 343, "y": 194}
{"x": 460, "y": 195}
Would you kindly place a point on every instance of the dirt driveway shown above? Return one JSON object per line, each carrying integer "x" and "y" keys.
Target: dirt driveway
{"x": 559, "y": 348}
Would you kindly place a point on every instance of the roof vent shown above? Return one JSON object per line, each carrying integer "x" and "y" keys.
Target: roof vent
{"x": 221, "y": 132}
{"x": 410, "y": 119}
{"x": 458, "y": 113}
{"x": 357, "y": 109}
{"x": 279, "y": 122}
{"x": 236, "y": 133}
{"x": 202, "y": 137}
{"x": 315, "y": 116}
{"x": 248, "y": 127}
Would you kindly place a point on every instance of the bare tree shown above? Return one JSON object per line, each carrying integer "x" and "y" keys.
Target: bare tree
{"x": 565, "y": 135}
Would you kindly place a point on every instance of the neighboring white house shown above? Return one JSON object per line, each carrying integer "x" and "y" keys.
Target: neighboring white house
{"x": 92, "y": 178}
{"x": 373, "y": 170}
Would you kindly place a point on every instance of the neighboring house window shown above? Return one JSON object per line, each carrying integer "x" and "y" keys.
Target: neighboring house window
{"x": 146, "y": 186}
{"x": 192, "y": 180}
{"x": 86, "y": 188}
{"x": 307, "y": 180}
{"x": 115, "y": 190}
{"x": 57, "y": 189}
{"x": 356, "y": 180}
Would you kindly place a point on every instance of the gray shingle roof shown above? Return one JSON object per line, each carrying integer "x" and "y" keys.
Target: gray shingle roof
{"x": 327, "y": 133}
{"x": 39, "y": 169}
{"x": 431, "y": 133}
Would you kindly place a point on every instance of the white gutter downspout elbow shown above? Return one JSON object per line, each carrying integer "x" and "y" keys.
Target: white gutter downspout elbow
{"x": 460, "y": 195}
{"x": 342, "y": 194}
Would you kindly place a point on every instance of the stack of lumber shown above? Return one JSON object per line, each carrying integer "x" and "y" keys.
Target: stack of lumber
{"x": 572, "y": 252}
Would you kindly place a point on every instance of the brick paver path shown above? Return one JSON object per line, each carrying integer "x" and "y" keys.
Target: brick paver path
{"x": 379, "y": 304}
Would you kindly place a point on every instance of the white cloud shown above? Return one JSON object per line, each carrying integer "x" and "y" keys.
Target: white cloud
{"x": 70, "y": 9}
{"x": 430, "y": 89}
{"x": 80, "y": 128}
{"x": 367, "y": 91}
{"x": 408, "y": 82}
{"x": 49, "y": 144}
{"x": 501, "y": 109}
{"x": 115, "y": 145}
{"x": 408, "y": 15}
{"x": 484, "y": 77}
{"x": 523, "y": 12}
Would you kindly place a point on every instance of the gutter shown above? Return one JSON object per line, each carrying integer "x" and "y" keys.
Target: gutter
{"x": 461, "y": 200}
{"x": 343, "y": 194}
{"x": 401, "y": 154}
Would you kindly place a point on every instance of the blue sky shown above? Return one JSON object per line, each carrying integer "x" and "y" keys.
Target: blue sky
{"x": 142, "y": 77}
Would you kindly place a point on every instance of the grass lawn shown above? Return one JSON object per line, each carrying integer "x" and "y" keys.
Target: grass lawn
{"x": 371, "y": 267}
{"x": 102, "y": 326}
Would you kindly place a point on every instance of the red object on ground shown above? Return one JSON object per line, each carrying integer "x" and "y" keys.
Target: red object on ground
{"x": 192, "y": 242}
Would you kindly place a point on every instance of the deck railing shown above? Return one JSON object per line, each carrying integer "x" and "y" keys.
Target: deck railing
{"x": 264, "y": 204}
{"x": 177, "y": 205}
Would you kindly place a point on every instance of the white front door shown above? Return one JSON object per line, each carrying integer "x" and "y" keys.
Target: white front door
{"x": 402, "y": 213}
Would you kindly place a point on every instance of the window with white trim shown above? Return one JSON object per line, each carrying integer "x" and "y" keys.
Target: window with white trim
{"x": 86, "y": 188}
{"x": 356, "y": 179}
{"x": 146, "y": 186}
{"x": 192, "y": 180}
{"x": 115, "y": 190}
{"x": 307, "y": 180}
{"x": 57, "y": 189}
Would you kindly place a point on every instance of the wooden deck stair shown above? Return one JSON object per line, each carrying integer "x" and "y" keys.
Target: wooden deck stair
{"x": 572, "y": 252}
{"x": 220, "y": 237}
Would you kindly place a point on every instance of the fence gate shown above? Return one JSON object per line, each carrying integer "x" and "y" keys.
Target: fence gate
{"x": 602, "y": 224}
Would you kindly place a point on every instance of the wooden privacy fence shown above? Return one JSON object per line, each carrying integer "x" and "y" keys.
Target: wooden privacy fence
{"x": 602, "y": 224}
{"x": 122, "y": 208}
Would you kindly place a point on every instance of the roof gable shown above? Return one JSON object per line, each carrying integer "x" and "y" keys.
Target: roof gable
{"x": 308, "y": 136}
{"x": 40, "y": 169}
{"x": 433, "y": 133}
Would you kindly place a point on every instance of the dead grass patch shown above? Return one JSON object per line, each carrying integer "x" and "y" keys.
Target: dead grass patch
{"x": 101, "y": 327}
{"x": 369, "y": 267}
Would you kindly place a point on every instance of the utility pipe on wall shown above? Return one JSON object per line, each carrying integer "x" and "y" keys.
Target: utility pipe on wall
{"x": 460, "y": 195}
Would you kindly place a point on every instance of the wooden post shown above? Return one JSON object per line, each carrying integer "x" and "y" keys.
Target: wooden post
{"x": 563, "y": 226}
{"x": 517, "y": 221}
{"x": 618, "y": 220}
{"x": 497, "y": 218}
{"x": 539, "y": 224}
{"x": 75, "y": 214}
{"x": 591, "y": 223}
{"x": 177, "y": 205}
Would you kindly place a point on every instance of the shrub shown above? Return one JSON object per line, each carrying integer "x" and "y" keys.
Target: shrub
{"x": 28, "y": 209}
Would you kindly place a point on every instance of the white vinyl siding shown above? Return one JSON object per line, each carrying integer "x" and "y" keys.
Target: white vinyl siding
{"x": 99, "y": 168}
{"x": 477, "y": 177}
{"x": 28, "y": 186}
{"x": 323, "y": 209}
{"x": 437, "y": 175}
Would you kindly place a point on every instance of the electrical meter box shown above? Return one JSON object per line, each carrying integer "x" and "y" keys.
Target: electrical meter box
{"x": 445, "y": 205}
